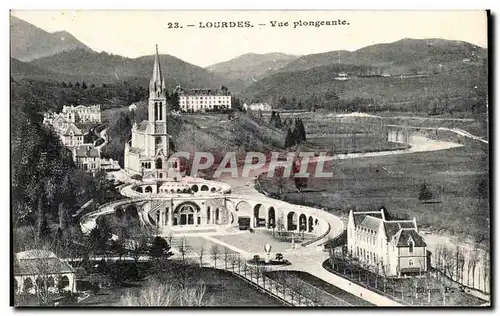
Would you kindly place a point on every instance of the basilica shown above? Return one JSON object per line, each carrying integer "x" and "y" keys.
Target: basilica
{"x": 147, "y": 153}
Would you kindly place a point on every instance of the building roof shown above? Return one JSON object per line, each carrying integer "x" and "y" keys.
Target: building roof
{"x": 72, "y": 130}
{"x": 404, "y": 235}
{"x": 359, "y": 217}
{"x": 39, "y": 261}
{"x": 86, "y": 151}
{"x": 204, "y": 92}
{"x": 371, "y": 223}
{"x": 392, "y": 228}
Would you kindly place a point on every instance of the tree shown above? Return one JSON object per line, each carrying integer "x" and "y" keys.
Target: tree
{"x": 183, "y": 249}
{"x": 118, "y": 248}
{"x": 424, "y": 194}
{"x": 279, "y": 256}
{"x": 77, "y": 85}
{"x": 300, "y": 183}
{"x": 201, "y": 254}
{"x": 226, "y": 253}
{"x": 214, "y": 252}
{"x": 159, "y": 249}
{"x": 64, "y": 85}
{"x": 137, "y": 247}
{"x": 289, "y": 140}
{"x": 84, "y": 85}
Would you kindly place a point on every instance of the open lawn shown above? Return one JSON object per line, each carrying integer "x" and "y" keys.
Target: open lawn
{"x": 348, "y": 143}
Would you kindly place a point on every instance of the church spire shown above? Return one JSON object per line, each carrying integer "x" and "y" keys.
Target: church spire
{"x": 157, "y": 78}
{"x": 157, "y": 87}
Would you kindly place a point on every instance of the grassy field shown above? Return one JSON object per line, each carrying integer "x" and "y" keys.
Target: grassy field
{"x": 344, "y": 143}
{"x": 458, "y": 179}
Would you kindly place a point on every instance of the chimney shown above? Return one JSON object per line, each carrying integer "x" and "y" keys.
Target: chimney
{"x": 382, "y": 212}
{"x": 415, "y": 223}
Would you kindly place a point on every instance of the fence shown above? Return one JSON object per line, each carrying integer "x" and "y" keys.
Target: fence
{"x": 255, "y": 276}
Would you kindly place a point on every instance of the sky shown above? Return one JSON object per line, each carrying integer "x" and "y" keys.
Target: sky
{"x": 135, "y": 33}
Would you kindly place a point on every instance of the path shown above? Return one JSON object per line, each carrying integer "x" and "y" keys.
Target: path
{"x": 457, "y": 131}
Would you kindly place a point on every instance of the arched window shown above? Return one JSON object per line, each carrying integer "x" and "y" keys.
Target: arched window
{"x": 28, "y": 284}
{"x": 410, "y": 262}
{"x": 158, "y": 140}
{"x": 64, "y": 282}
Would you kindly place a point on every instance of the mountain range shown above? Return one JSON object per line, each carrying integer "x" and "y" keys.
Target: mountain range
{"x": 28, "y": 42}
{"x": 454, "y": 64}
{"x": 248, "y": 68}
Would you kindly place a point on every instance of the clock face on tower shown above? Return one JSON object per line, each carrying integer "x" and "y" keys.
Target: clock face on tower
{"x": 158, "y": 140}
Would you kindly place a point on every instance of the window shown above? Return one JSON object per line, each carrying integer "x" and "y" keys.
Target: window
{"x": 410, "y": 245}
{"x": 410, "y": 262}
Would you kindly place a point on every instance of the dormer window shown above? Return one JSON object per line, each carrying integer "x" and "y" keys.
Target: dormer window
{"x": 411, "y": 244}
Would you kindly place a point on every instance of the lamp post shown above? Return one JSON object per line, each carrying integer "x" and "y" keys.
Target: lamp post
{"x": 267, "y": 249}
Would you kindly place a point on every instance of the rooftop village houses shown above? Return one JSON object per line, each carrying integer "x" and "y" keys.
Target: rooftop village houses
{"x": 86, "y": 156}
{"x": 200, "y": 100}
{"x": 392, "y": 247}
{"x": 69, "y": 134}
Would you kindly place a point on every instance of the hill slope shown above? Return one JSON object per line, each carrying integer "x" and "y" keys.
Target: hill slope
{"x": 403, "y": 56}
{"x": 245, "y": 69}
{"x": 436, "y": 69}
{"x": 104, "y": 67}
{"x": 27, "y": 42}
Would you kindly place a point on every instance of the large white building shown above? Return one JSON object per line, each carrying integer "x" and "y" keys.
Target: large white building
{"x": 394, "y": 247}
{"x": 196, "y": 100}
{"x": 83, "y": 114}
{"x": 148, "y": 151}
{"x": 263, "y": 106}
